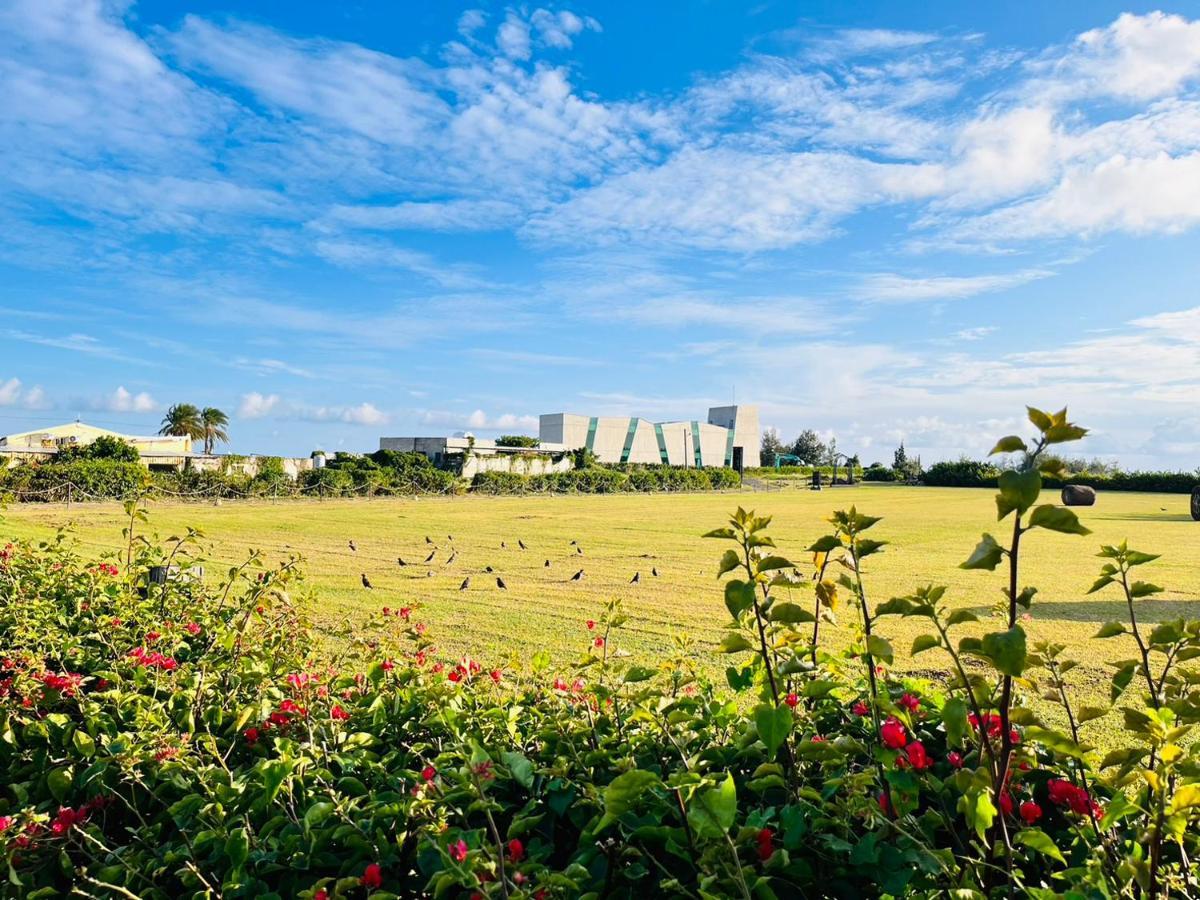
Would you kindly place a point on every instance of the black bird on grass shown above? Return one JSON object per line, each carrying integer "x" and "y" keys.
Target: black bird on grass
{"x": 503, "y": 545}
{"x": 466, "y": 583}
{"x": 637, "y": 577}
{"x": 579, "y": 550}
{"x": 428, "y": 540}
{"x": 488, "y": 569}
{"x": 400, "y": 561}
{"x": 547, "y": 564}
{"x": 521, "y": 544}
{"x": 500, "y": 583}
{"x": 366, "y": 581}
{"x": 453, "y": 556}
{"x": 577, "y": 576}
{"x": 654, "y": 572}
{"x": 353, "y": 549}
{"x": 431, "y": 555}
{"x": 450, "y": 538}
{"x": 574, "y": 543}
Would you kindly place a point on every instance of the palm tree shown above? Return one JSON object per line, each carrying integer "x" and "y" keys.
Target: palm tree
{"x": 213, "y": 423}
{"x": 182, "y": 420}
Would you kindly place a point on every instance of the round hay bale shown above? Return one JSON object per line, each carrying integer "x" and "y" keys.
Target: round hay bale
{"x": 1078, "y": 495}
{"x": 1196, "y": 503}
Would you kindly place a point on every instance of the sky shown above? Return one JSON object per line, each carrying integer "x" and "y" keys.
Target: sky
{"x": 881, "y": 220}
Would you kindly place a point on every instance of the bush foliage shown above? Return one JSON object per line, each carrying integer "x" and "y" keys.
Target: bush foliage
{"x": 972, "y": 473}
{"x": 607, "y": 480}
{"x": 193, "y": 739}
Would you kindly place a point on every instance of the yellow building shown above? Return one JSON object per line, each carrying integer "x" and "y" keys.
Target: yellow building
{"x": 157, "y": 451}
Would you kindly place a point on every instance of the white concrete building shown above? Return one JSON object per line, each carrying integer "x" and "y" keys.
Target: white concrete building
{"x": 729, "y": 437}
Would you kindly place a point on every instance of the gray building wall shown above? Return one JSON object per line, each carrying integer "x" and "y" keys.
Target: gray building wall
{"x": 746, "y": 431}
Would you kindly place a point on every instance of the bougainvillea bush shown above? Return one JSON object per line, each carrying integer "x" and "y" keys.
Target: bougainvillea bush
{"x": 188, "y": 737}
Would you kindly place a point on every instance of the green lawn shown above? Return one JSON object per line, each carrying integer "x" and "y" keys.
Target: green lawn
{"x": 930, "y": 531}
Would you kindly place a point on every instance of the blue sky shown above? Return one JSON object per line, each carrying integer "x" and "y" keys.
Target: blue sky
{"x": 881, "y": 220}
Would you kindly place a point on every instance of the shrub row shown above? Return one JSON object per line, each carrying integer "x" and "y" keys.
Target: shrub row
{"x": 196, "y": 740}
{"x": 604, "y": 480}
{"x": 973, "y": 473}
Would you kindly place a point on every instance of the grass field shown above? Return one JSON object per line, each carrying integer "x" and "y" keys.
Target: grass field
{"x": 930, "y": 531}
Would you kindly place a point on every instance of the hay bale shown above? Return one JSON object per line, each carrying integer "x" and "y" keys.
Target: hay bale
{"x": 1078, "y": 495}
{"x": 1196, "y": 503}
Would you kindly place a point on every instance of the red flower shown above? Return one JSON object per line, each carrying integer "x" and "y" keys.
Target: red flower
{"x": 516, "y": 850}
{"x": 599, "y": 642}
{"x": 860, "y": 709}
{"x": 496, "y": 675}
{"x": 1030, "y": 812}
{"x": 429, "y": 773}
{"x": 371, "y": 877}
{"x": 251, "y": 735}
{"x": 5, "y": 821}
{"x": 387, "y": 665}
{"x": 590, "y": 624}
{"x": 791, "y": 700}
{"x": 405, "y": 612}
{"x": 910, "y": 702}
{"x": 955, "y": 759}
{"x": 455, "y": 675}
{"x": 387, "y": 610}
{"x": 893, "y": 733}
{"x": 193, "y": 627}
{"x": 917, "y": 757}
{"x": 458, "y": 850}
{"x": 320, "y": 894}
{"x": 1006, "y": 803}
{"x": 1063, "y": 793}
{"x": 885, "y": 805}
{"x": 766, "y": 844}
{"x": 338, "y": 713}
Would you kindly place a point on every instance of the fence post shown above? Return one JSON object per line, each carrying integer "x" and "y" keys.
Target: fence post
{"x": 68, "y": 496}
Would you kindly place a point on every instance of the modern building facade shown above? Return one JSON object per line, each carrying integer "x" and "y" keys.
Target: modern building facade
{"x": 729, "y": 438}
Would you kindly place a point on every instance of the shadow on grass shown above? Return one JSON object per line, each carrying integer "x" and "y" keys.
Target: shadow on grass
{"x": 1148, "y": 611}
{"x": 1143, "y": 517}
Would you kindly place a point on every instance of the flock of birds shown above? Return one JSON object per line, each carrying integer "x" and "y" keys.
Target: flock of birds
{"x": 489, "y": 570}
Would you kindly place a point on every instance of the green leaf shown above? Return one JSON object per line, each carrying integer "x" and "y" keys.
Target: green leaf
{"x": 520, "y": 767}
{"x": 624, "y": 791}
{"x": 979, "y": 811}
{"x": 826, "y": 544}
{"x": 1009, "y": 444}
{"x": 729, "y": 561}
{"x": 880, "y": 648}
{"x": 739, "y": 597}
{"x": 864, "y": 547}
{"x": 1006, "y": 650}
{"x": 1062, "y": 433}
{"x": 789, "y": 614}
{"x": 317, "y": 813}
{"x": 987, "y": 555}
{"x": 955, "y": 719}
{"x": 1137, "y": 558}
{"x": 1110, "y": 629}
{"x": 768, "y": 563}
{"x": 1143, "y": 589}
{"x": 83, "y": 742}
{"x": 774, "y": 724}
{"x": 925, "y": 642}
{"x": 726, "y": 533}
{"x": 1187, "y": 796}
{"x": 713, "y": 810}
{"x": 1037, "y": 840}
{"x": 634, "y": 674}
{"x": 1055, "y": 518}
{"x": 1088, "y": 713}
{"x": 237, "y": 847}
{"x": 59, "y": 782}
{"x": 1041, "y": 421}
{"x": 1018, "y": 491}
{"x": 735, "y": 642}
{"x": 961, "y": 615}
{"x": 1121, "y": 680}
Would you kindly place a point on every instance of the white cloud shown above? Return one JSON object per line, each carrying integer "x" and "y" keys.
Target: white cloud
{"x": 121, "y": 400}
{"x": 362, "y": 414}
{"x": 513, "y": 37}
{"x": 887, "y": 287}
{"x": 974, "y": 334}
{"x": 255, "y": 405}
{"x": 478, "y": 420}
{"x": 14, "y": 393}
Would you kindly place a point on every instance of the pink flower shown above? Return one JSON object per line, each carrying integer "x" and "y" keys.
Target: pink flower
{"x": 955, "y": 759}
{"x": 860, "y": 709}
{"x": 766, "y": 844}
{"x": 893, "y": 733}
{"x": 1006, "y": 803}
{"x": 5, "y": 821}
{"x": 372, "y": 877}
{"x": 338, "y": 713}
{"x": 516, "y": 850}
{"x": 917, "y": 757}
{"x": 909, "y": 702}
{"x": 599, "y": 642}
{"x": 320, "y": 894}
{"x": 193, "y": 628}
{"x": 458, "y": 850}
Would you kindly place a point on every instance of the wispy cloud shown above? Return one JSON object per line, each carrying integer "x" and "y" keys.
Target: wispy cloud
{"x": 888, "y": 287}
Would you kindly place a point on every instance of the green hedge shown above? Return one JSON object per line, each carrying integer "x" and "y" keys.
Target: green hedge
{"x": 81, "y": 479}
{"x": 974, "y": 473}
{"x": 605, "y": 480}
